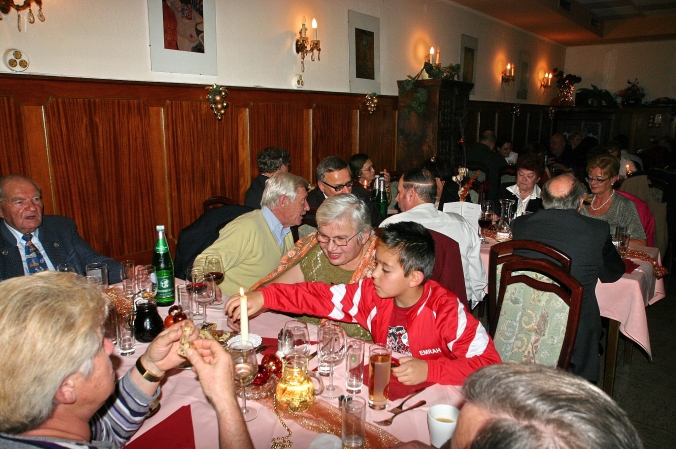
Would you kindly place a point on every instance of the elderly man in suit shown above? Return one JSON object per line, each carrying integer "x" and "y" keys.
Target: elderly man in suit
{"x": 588, "y": 244}
{"x": 31, "y": 242}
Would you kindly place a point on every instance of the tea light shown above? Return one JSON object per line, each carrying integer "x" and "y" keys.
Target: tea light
{"x": 244, "y": 316}
{"x": 628, "y": 170}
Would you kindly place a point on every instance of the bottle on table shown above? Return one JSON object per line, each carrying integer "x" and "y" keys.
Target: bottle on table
{"x": 164, "y": 269}
{"x": 375, "y": 195}
{"x": 383, "y": 201}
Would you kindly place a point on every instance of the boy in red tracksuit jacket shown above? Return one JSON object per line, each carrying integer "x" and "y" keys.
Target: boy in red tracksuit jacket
{"x": 400, "y": 306}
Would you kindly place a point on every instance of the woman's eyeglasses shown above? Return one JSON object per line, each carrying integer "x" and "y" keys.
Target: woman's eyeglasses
{"x": 338, "y": 241}
{"x": 597, "y": 180}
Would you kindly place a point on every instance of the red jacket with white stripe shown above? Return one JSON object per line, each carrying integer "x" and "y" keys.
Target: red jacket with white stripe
{"x": 440, "y": 329}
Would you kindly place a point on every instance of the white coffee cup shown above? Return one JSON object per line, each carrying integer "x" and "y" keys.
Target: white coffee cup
{"x": 441, "y": 420}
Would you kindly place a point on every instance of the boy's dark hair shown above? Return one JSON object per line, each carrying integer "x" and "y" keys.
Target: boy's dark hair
{"x": 414, "y": 244}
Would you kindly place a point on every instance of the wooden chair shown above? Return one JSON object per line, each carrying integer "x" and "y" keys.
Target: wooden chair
{"x": 218, "y": 201}
{"x": 531, "y": 306}
{"x": 501, "y": 253}
{"x": 480, "y": 187}
{"x": 308, "y": 219}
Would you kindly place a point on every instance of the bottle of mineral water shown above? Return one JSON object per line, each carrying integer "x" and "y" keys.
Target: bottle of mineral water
{"x": 164, "y": 269}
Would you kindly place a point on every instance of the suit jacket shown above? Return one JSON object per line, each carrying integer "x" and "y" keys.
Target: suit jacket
{"x": 588, "y": 244}
{"x": 480, "y": 152}
{"x": 254, "y": 193}
{"x": 62, "y": 243}
{"x": 315, "y": 198}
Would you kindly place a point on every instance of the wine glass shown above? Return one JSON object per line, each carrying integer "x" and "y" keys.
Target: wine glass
{"x": 298, "y": 336}
{"x": 485, "y": 219}
{"x": 214, "y": 266}
{"x": 331, "y": 350}
{"x": 245, "y": 367}
{"x": 203, "y": 287}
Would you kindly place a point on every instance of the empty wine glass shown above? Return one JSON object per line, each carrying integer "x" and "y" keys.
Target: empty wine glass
{"x": 245, "y": 367}
{"x": 214, "y": 266}
{"x": 485, "y": 219}
{"x": 331, "y": 350}
{"x": 298, "y": 336}
{"x": 203, "y": 288}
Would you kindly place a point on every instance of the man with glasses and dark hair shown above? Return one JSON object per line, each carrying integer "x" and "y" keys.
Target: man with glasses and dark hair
{"x": 334, "y": 178}
{"x": 593, "y": 257}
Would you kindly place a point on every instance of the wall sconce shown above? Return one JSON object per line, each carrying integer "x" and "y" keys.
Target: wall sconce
{"x": 216, "y": 97}
{"x": 371, "y": 102}
{"x": 508, "y": 74}
{"x": 305, "y": 46}
{"x": 7, "y": 5}
{"x": 546, "y": 82}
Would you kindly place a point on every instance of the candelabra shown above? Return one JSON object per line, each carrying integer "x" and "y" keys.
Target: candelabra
{"x": 508, "y": 75}
{"x": 7, "y": 5}
{"x": 305, "y": 46}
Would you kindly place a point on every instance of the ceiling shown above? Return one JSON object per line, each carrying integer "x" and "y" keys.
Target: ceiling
{"x": 586, "y": 22}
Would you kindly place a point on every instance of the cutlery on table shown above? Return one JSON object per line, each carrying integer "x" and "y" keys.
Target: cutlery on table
{"x": 261, "y": 348}
{"x": 399, "y": 407}
{"x": 388, "y": 421}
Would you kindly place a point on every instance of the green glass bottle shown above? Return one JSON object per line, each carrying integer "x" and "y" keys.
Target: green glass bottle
{"x": 164, "y": 269}
{"x": 382, "y": 198}
{"x": 375, "y": 194}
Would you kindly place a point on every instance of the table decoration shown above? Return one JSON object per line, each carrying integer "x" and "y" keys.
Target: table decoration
{"x": 164, "y": 434}
{"x": 630, "y": 253}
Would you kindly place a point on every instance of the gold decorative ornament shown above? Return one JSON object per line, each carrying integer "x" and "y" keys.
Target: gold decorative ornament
{"x": 7, "y": 5}
{"x": 371, "y": 102}
{"x": 216, "y": 96}
{"x": 305, "y": 46}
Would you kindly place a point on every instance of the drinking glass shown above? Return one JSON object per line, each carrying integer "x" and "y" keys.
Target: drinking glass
{"x": 298, "y": 336}
{"x": 245, "y": 367}
{"x": 380, "y": 365}
{"x": 203, "y": 288}
{"x": 353, "y": 424}
{"x": 186, "y": 301}
{"x": 354, "y": 366}
{"x": 66, "y": 268}
{"x": 213, "y": 265}
{"x": 146, "y": 282}
{"x": 485, "y": 219}
{"x": 127, "y": 270}
{"x": 100, "y": 270}
{"x": 331, "y": 350}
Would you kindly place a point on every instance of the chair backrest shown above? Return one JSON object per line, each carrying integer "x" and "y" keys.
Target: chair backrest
{"x": 309, "y": 219}
{"x": 660, "y": 185}
{"x": 539, "y": 310}
{"x": 501, "y": 253}
{"x": 481, "y": 185}
{"x": 448, "y": 269}
{"x": 217, "y": 201}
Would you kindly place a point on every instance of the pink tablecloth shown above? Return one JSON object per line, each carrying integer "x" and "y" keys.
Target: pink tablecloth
{"x": 625, "y": 300}
{"x": 181, "y": 387}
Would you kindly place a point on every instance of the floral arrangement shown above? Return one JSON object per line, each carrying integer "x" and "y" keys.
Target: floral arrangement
{"x": 464, "y": 191}
{"x": 632, "y": 92}
{"x": 565, "y": 81}
{"x": 419, "y": 103}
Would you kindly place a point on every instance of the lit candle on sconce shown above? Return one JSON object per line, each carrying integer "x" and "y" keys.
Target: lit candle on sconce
{"x": 303, "y": 28}
{"x": 549, "y": 79}
{"x": 431, "y": 60}
{"x": 314, "y": 28}
{"x": 438, "y": 61}
{"x": 510, "y": 69}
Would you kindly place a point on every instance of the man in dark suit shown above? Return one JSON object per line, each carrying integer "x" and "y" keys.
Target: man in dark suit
{"x": 30, "y": 243}
{"x": 482, "y": 151}
{"x": 334, "y": 178}
{"x": 270, "y": 161}
{"x": 588, "y": 244}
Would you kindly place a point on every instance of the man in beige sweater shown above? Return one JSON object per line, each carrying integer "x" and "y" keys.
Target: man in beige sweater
{"x": 252, "y": 244}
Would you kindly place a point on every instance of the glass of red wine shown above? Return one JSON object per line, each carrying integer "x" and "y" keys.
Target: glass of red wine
{"x": 214, "y": 266}
{"x": 485, "y": 219}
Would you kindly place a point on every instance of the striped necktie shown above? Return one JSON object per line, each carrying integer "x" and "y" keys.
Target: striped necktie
{"x": 34, "y": 260}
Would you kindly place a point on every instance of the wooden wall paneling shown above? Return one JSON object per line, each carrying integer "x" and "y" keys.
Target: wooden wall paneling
{"x": 378, "y": 134}
{"x": 245, "y": 166}
{"x": 14, "y": 157}
{"x": 332, "y": 131}
{"x": 202, "y": 158}
{"x": 520, "y": 130}
{"x": 505, "y": 123}
{"x": 102, "y": 171}
{"x": 38, "y": 154}
{"x": 307, "y": 169}
{"x": 281, "y": 125}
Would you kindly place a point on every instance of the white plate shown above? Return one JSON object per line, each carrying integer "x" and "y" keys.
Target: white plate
{"x": 254, "y": 339}
{"x": 326, "y": 441}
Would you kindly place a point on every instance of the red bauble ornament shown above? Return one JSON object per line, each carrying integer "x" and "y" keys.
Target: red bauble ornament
{"x": 262, "y": 376}
{"x": 273, "y": 364}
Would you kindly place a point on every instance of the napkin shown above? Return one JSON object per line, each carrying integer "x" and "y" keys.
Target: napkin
{"x": 176, "y": 431}
{"x": 397, "y": 389}
{"x": 272, "y": 345}
{"x": 629, "y": 265}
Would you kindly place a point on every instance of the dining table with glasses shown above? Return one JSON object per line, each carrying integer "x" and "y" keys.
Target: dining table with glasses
{"x": 623, "y": 303}
{"x": 184, "y": 410}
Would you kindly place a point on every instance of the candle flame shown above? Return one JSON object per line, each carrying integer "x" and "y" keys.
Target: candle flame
{"x": 314, "y": 23}
{"x": 241, "y": 291}
{"x": 431, "y": 50}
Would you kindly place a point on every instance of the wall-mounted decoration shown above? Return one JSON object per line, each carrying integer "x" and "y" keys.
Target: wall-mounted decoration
{"x": 364, "y": 38}
{"x": 469, "y": 47}
{"x": 16, "y": 60}
{"x": 183, "y": 36}
{"x": 523, "y": 75}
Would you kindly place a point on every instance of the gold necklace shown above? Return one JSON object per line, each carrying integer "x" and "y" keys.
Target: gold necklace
{"x": 604, "y": 203}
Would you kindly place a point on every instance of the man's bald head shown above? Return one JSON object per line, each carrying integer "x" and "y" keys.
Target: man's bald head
{"x": 563, "y": 192}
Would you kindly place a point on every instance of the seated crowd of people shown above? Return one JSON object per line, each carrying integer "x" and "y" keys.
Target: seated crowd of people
{"x": 384, "y": 277}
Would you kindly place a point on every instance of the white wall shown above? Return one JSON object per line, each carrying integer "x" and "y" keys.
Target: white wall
{"x": 610, "y": 66}
{"x": 109, "y": 39}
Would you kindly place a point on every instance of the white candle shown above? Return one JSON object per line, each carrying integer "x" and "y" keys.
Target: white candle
{"x": 438, "y": 55}
{"x": 303, "y": 28}
{"x": 244, "y": 317}
{"x": 314, "y": 28}
{"x": 431, "y": 55}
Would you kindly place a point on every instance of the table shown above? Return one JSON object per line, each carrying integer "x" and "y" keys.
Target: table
{"x": 624, "y": 303}
{"x": 181, "y": 387}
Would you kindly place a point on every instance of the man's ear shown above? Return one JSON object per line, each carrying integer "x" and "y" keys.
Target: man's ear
{"x": 283, "y": 201}
{"x": 415, "y": 278}
{"x": 65, "y": 394}
{"x": 321, "y": 186}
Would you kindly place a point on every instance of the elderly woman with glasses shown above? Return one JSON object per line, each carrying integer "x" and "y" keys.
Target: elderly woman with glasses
{"x": 526, "y": 192}
{"x": 602, "y": 174}
{"x": 340, "y": 251}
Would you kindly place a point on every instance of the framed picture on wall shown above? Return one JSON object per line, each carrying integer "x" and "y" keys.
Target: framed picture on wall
{"x": 523, "y": 71}
{"x": 469, "y": 47}
{"x": 183, "y": 36}
{"x": 364, "y": 39}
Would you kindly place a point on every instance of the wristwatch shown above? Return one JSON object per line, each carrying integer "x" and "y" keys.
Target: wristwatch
{"x": 147, "y": 375}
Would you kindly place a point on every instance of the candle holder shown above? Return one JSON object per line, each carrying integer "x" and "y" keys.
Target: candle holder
{"x": 546, "y": 82}
{"x": 508, "y": 75}
{"x": 305, "y": 46}
{"x": 7, "y": 5}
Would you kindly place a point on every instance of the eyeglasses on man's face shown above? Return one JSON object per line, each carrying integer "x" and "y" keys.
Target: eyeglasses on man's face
{"x": 339, "y": 187}
{"x": 597, "y": 180}
{"x": 338, "y": 241}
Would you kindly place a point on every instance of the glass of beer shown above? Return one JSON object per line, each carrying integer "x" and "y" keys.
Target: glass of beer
{"x": 380, "y": 360}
